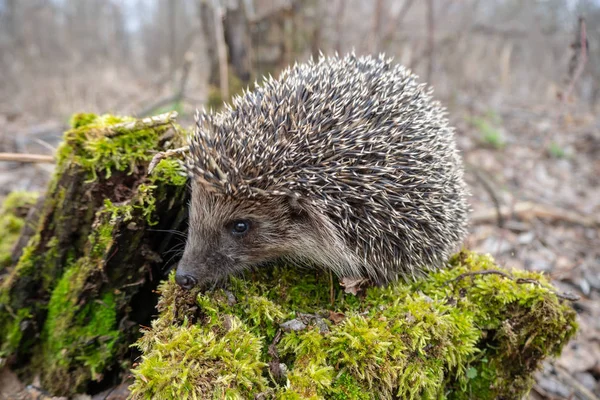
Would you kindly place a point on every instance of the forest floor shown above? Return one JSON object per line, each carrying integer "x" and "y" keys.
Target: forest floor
{"x": 544, "y": 173}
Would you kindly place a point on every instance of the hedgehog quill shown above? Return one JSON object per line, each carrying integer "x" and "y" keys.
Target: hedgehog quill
{"x": 343, "y": 163}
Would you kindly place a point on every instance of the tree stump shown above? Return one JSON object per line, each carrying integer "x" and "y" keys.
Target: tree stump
{"x": 73, "y": 303}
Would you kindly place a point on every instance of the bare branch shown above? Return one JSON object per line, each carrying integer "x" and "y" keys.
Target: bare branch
{"x": 339, "y": 16}
{"x": 148, "y": 122}
{"x": 165, "y": 154}
{"x": 27, "y": 158}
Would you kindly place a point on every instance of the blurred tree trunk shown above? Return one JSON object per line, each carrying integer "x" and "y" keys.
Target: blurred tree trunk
{"x": 207, "y": 22}
{"x": 376, "y": 29}
{"x": 237, "y": 38}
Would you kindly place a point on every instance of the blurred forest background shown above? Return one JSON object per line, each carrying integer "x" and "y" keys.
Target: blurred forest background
{"x": 520, "y": 80}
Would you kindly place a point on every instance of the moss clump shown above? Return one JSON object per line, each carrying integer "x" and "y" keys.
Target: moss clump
{"x": 12, "y": 218}
{"x": 78, "y": 336}
{"x": 448, "y": 335}
{"x": 170, "y": 171}
{"x": 99, "y": 144}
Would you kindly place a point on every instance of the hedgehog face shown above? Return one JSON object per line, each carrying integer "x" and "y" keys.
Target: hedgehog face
{"x": 228, "y": 235}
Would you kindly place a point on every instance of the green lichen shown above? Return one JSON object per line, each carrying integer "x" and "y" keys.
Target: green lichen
{"x": 12, "y": 218}
{"x": 449, "y": 335}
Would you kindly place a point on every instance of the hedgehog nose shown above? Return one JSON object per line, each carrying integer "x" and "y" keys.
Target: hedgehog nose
{"x": 185, "y": 281}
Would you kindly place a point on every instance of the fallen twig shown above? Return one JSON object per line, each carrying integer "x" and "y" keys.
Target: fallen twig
{"x": 165, "y": 154}
{"x": 27, "y": 158}
{"x": 526, "y": 210}
{"x": 564, "y": 296}
{"x": 148, "y": 122}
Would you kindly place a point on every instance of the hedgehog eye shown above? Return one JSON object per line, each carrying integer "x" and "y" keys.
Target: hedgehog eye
{"x": 240, "y": 227}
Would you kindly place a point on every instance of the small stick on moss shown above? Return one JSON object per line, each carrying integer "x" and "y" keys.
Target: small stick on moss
{"x": 165, "y": 154}
{"x": 144, "y": 123}
{"x": 486, "y": 272}
{"x": 274, "y": 365}
{"x": 27, "y": 158}
{"x": 331, "y": 290}
{"x": 564, "y": 296}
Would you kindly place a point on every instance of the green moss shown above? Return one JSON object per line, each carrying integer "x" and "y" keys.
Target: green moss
{"x": 10, "y": 319}
{"x": 219, "y": 360}
{"x": 448, "y": 335}
{"x": 98, "y": 146}
{"x": 72, "y": 332}
{"x": 60, "y": 303}
{"x": 82, "y": 119}
{"x": 170, "y": 172}
{"x": 79, "y": 337}
{"x": 144, "y": 203}
{"x": 12, "y": 218}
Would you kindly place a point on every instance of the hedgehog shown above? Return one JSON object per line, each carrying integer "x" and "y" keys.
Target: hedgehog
{"x": 343, "y": 163}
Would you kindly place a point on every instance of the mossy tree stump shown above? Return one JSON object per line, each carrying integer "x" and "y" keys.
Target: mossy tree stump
{"x": 72, "y": 304}
{"x": 460, "y": 333}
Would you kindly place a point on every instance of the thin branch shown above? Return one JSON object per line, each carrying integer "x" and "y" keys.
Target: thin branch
{"x": 526, "y": 209}
{"x": 564, "y": 296}
{"x": 490, "y": 189}
{"x": 166, "y": 154}
{"x": 148, "y": 122}
{"x": 339, "y": 17}
{"x": 376, "y": 29}
{"x": 27, "y": 158}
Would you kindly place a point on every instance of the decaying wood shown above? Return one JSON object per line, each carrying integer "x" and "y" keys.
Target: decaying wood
{"x": 144, "y": 123}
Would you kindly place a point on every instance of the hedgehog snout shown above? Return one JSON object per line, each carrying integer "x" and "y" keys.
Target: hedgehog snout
{"x": 185, "y": 281}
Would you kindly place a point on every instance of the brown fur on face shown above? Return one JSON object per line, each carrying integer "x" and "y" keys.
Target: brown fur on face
{"x": 279, "y": 228}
